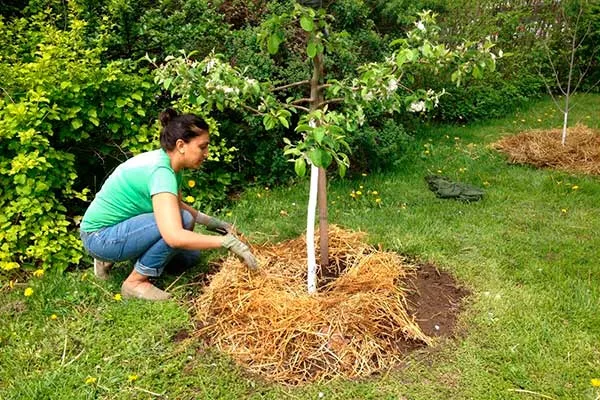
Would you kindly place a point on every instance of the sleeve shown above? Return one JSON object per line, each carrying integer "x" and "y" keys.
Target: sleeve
{"x": 163, "y": 180}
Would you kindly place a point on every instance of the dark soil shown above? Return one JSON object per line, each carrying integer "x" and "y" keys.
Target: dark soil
{"x": 435, "y": 299}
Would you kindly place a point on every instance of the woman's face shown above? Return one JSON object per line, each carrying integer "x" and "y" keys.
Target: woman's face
{"x": 196, "y": 150}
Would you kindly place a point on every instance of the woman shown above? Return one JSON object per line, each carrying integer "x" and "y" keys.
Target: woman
{"x": 138, "y": 213}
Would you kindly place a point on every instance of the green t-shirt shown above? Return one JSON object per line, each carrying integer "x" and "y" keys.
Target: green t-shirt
{"x": 129, "y": 189}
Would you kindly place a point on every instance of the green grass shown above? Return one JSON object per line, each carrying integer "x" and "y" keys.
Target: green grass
{"x": 532, "y": 322}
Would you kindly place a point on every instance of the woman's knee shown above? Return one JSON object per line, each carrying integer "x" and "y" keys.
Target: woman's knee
{"x": 188, "y": 220}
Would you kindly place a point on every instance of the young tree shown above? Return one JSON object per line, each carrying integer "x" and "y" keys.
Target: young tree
{"x": 335, "y": 107}
{"x": 577, "y": 61}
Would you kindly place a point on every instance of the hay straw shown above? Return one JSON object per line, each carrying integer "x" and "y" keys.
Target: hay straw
{"x": 267, "y": 322}
{"x": 543, "y": 149}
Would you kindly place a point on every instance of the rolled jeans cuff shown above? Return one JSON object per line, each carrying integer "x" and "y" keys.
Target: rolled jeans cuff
{"x": 147, "y": 271}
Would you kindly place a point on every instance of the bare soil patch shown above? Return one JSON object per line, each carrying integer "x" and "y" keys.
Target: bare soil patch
{"x": 543, "y": 149}
{"x": 372, "y": 309}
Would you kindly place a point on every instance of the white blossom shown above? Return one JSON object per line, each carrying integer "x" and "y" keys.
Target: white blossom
{"x": 417, "y": 106}
{"x": 210, "y": 65}
{"x": 420, "y": 26}
{"x": 312, "y": 123}
{"x": 392, "y": 85}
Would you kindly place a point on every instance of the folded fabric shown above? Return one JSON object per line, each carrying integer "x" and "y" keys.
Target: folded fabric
{"x": 444, "y": 188}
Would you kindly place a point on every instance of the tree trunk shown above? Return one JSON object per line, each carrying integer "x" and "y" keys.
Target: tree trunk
{"x": 318, "y": 178}
{"x": 316, "y": 98}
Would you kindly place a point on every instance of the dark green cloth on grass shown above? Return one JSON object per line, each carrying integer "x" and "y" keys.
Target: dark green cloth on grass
{"x": 444, "y": 188}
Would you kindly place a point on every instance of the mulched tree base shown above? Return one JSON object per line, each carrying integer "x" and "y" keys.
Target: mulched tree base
{"x": 543, "y": 149}
{"x": 372, "y": 310}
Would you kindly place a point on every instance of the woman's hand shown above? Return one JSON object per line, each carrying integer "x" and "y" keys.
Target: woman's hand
{"x": 222, "y": 227}
{"x": 240, "y": 249}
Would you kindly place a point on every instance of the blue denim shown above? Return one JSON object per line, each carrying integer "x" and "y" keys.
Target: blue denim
{"x": 138, "y": 238}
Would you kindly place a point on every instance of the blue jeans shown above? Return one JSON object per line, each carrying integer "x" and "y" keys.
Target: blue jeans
{"x": 138, "y": 239}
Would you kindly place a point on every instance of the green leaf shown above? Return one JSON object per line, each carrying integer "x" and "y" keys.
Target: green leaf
{"x": 311, "y": 49}
{"x": 76, "y": 123}
{"x": 121, "y": 102}
{"x": 319, "y": 135}
{"x": 300, "y": 167}
{"x": 342, "y": 170}
{"x": 94, "y": 121}
{"x": 273, "y": 44}
{"x": 307, "y": 23}
{"x": 167, "y": 82}
{"x": 284, "y": 121}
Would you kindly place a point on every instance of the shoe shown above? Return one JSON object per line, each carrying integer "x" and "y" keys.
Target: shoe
{"x": 101, "y": 269}
{"x": 145, "y": 292}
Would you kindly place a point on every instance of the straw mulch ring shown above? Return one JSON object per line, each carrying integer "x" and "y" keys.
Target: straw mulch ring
{"x": 543, "y": 149}
{"x": 357, "y": 324}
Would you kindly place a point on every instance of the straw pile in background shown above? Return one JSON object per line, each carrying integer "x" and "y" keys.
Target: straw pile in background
{"x": 267, "y": 322}
{"x": 581, "y": 152}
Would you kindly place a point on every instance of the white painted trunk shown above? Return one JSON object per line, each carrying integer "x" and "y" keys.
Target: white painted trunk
{"x": 564, "y": 131}
{"x": 310, "y": 230}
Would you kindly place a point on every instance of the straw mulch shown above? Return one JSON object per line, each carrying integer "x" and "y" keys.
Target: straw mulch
{"x": 267, "y": 322}
{"x": 543, "y": 149}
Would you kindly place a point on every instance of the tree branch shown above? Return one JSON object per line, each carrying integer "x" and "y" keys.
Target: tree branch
{"x": 300, "y": 108}
{"x": 550, "y": 92}
{"x": 331, "y": 101}
{"x": 324, "y": 86}
{"x": 554, "y": 71}
{"x": 300, "y": 83}
{"x": 302, "y": 100}
{"x": 252, "y": 110}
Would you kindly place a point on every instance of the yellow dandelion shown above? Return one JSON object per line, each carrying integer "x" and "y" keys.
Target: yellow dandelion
{"x": 456, "y": 138}
{"x": 522, "y": 120}
{"x": 486, "y": 183}
{"x": 90, "y": 380}
{"x": 363, "y": 174}
{"x": 374, "y": 193}
{"x": 595, "y": 382}
{"x": 11, "y": 284}
{"x": 53, "y": 317}
{"x": 588, "y": 117}
{"x": 228, "y": 214}
{"x": 575, "y": 187}
{"x": 358, "y": 193}
{"x": 378, "y": 200}
{"x": 117, "y": 297}
{"x": 38, "y": 273}
{"x": 439, "y": 171}
{"x": 563, "y": 210}
{"x": 28, "y": 292}
{"x": 190, "y": 199}
{"x": 283, "y": 213}
{"x": 539, "y": 120}
{"x": 426, "y": 151}
{"x": 191, "y": 183}
{"x": 259, "y": 195}
{"x": 132, "y": 378}
{"x": 447, "y": 137}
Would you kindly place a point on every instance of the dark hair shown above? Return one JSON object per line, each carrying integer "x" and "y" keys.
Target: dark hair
{"x": 175, "y": 127}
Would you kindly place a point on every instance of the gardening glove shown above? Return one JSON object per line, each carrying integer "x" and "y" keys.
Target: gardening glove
{"x": 240, "y": 249}
{"x": 213, "y": 224}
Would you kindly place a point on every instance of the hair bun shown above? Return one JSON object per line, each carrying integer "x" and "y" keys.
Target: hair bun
{"x": 166, "y": 116}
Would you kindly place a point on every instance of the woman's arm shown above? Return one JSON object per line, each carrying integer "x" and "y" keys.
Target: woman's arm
{"x": 168, "y": 218}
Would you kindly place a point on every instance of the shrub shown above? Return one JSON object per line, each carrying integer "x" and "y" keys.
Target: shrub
{"x": 63, "y": 113}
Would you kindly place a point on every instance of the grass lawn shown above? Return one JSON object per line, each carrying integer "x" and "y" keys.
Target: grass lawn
{"x": 529, "y": 252}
